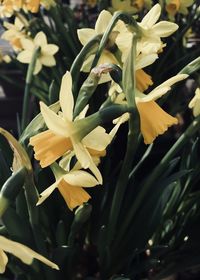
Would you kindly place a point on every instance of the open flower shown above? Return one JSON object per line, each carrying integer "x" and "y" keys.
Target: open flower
{"x": 25, "y": 254}
{"x": 86, "y": 34}
{"x": 14, "y": 33}
{"x": 46, "y": 55}
{"x": 65, "y": 135}
{"x": 195, "y": 103}
{"x": 154, "y": 120}
{"x": 70, "y": 185}
{"x": 177, "y": 6}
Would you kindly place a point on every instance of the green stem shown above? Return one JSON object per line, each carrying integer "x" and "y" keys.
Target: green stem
{"x": 87, "y": 50}
{"x": 128, "y": 19}
{"x": 29, "y": 78}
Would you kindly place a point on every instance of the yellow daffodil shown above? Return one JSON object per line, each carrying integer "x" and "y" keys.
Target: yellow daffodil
{"x": 154, "y": 120}
{"x": 64, "y": 134}
{"x": 47, "y": 51}
{"x": 195, "y": 103}
{"x": 70, "y": 185}
{"x": 14, "y": 33}
{"x": 86, "y": 34}
{"x": 128, "y": 5}
{"x": 177, "y": 6}
{"x": 25, "y": 254}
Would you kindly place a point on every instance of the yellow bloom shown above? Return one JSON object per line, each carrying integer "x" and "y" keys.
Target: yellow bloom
{"x": 195, "y": 103}
{"x": 177, "y": 6}
{"x": 46, "y": 56}
{"x": 154, "y": 120}
{"x": 70, "y": 186}
{"x": 14, "y": 33}
{"x": 128, "y": 5}
{"x": 25, "y": 254}
{"x": 32, "y": 5}
{"x": 86, "y": 34}
{"x": 65, "y": 135}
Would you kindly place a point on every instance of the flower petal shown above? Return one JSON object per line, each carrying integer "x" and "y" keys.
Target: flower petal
{"x": 53, "y": 121}
{"x": 97, "y": 139}
{"x": 82, "y": 154}
{"x": 40, "y": 39}
{"x": 74, "y": 196}
{"x": 46, "y": 193}
{"x": 49, "y": 49}
{"x": 80, "y": 178}
{"x": 85, "y": 35}
{"x": 38, "y": 67}
{"x": 151, "y": 17}
{"x": 66, "y": 97}
{"x": 164, "y": 28}
{"x": 22, "y": 252}
{"x": 25, "y": 56}
{"x": 27, "y": 44}
{"x": 154, "y": 120}
{"x": 3, "y": 261}
{"x": 47, "y": 60}
{"x": 102, "y": 22}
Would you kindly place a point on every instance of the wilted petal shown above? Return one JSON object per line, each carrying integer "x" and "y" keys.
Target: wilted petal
{"x": 66, "y": 97}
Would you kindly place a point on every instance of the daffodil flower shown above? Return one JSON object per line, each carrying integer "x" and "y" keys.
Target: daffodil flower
{"x": 195, "y": 103}
{"x": 86, "y": 34}
{"x": 154, "y": 120}
{"x": 47, "y": 51}
{"x": 70, "y": 186}
{"x": 14, "y": 33}
{"x": 177, "y": 6}
{"x": 65, "y": 135}
{"x": 25, "y": 254}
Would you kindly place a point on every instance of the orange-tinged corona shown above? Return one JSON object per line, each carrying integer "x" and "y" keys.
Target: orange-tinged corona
{"x": 143, "y": 80}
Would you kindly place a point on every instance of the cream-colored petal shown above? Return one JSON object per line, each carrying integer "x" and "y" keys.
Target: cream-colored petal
{"x": 82, "y": 154}
{"x": 46, "y": 193}
{"x": 66, "y": 97}
{"x": 102, "y": 22}
{"x": 22, "y": 252}
{"x": 96, "y": 172}
{"x": 40, "y": 39}
{"x": 119, "y": 121}
{"x": 47, "y": 60}
{"x": 145, "y": 60}
{"x": 154, "y": 95}
{"x": 38, "y": 67}
{"x": 27, "y": 44}
{"x": 97, "y": 139}
{"x": 25, "y": 56}
{"x": 3, "y": 261}
{"x": 18, "y": 24}
{"x": 87, "y": 63}
{"x": 171, "y": 81}
{"x": 83, "y": 113}
{"x": 164, "y": 28}
{"x": 80, "y": 178}
{"x": 85, "y": 35}
{"x": 151, "y": 17}
{"x": 53, "y": 121}
{"x": 49, "y": 49}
